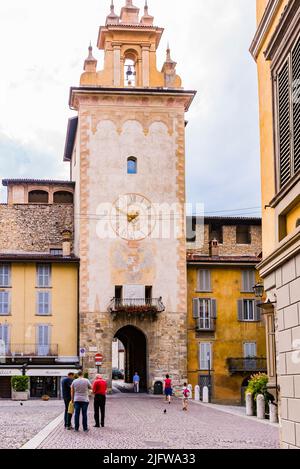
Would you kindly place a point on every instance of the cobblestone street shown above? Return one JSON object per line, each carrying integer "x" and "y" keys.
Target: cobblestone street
{"x": 140, "y": 422}
{"x": 19, "y": 423}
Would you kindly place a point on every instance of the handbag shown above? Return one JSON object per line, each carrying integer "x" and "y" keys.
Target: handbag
{"x": 71, "y": 408}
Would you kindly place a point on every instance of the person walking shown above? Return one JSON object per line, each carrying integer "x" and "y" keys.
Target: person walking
{"x": 80, "y": 396}
{"x": 185, "y": 397}
{"x": 168, "y": 388}
{"x": 66, "y": 393}
{"x": 99, "y": 391}
{"x": 136, "y": 383}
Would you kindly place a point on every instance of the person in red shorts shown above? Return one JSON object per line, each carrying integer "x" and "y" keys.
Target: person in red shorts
{"x": 168, "y": 388}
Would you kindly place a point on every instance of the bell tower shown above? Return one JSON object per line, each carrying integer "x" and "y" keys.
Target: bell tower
{"x": 127, "y": 153}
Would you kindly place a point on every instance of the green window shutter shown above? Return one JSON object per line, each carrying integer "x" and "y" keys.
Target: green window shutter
{"x": 196, "y": 312}
{"x": 240, "y": 308}
{"x": 296, "y": 105}
{"x": 284, "y": 124}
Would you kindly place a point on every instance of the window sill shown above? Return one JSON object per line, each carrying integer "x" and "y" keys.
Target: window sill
{"x": 44, "y": 315}
{"x": 204, "y": 292}
{"x": 284, "y": 190}
{"x": 5, "y": 315}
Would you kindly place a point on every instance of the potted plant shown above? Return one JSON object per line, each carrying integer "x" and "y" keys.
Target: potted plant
{"x": 258, "y": 385}
{"x": 20, "y": 386}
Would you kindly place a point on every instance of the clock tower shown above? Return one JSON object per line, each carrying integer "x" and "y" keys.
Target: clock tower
{"x": 127, "y": 155}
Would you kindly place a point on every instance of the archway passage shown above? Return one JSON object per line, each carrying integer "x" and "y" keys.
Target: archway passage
{"x": 135, "y": 344}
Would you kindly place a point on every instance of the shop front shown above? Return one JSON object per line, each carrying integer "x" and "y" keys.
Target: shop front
{"x": 5, "y": 381}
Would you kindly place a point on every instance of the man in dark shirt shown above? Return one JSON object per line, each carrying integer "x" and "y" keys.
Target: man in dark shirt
{"x": 66, "y": 392}
{"x": 99, "y": 391}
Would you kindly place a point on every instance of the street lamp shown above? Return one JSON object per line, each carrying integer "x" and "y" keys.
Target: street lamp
{"x": 209, "y": 375}
{"x": 259, "y": 290}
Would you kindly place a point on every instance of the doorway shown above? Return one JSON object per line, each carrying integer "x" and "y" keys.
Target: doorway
{"x": 135, "y": 355}
{"x": 5, "y": 387}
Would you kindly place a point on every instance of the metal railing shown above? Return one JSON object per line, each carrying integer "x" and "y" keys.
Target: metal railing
{"x": 247, "y": 365}
{"x": 136, "y": 305}
{"x": 29, "y": 350}
{"x": 205, "y": 325}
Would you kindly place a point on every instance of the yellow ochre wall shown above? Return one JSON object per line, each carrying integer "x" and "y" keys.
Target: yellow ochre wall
{"x": 268, "y": 177}
{"x": 230, "y": 333}
{"x": 23, "y": 319}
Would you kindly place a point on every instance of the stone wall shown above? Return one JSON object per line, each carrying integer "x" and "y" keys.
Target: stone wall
{"x": 287, "y": 280}
{"x": 229, "y": 247}
{"x": 33, "y": 228}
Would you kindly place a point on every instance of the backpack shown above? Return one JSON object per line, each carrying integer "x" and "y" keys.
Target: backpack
{"x": 186, "y": 393}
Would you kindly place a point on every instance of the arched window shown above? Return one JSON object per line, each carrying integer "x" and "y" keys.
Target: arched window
{"x": 132, "y": 165}
{"x": 129, "y": 72}
{"x": 63, "y": 197}
{"x": 38, "y": 197}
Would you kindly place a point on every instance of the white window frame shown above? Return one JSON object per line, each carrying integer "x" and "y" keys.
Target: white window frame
{"x": 246, "y": 310}
{"x": 43, "y": 348}
{"x": 4, "y": 303}
{"x": 5, "y": 275}
{"x": 41, "y": 309}
{"x": 248, "y": 276}
{"x": 250, "y": 344}
{"x": 205, "y": 314}
{"x": 4, "y": 346}
{"x": 43, "y": 275}
{"x": 205, "y": 348}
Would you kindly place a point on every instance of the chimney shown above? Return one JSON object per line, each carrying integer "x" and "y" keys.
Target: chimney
{"x": 66, "y": 243}
{"x": 214, "y": 248}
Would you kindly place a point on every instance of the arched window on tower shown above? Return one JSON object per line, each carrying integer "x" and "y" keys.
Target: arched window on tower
{"x": 129, "y": 72}
{"x": 132, "y": 165}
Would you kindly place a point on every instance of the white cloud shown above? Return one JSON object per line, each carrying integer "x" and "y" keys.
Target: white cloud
{"x": 44, "y": 44}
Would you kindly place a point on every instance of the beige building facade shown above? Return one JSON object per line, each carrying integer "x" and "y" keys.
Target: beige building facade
{"x": 127, "y": 155}
{"x": 276, "y": 48}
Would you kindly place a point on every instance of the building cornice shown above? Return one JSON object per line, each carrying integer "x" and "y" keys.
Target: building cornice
{"x": 264, "y": 27}
{"x": 288, "y": 248}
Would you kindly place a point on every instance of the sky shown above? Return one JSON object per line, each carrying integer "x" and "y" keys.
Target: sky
{"x": 43, "y": 45}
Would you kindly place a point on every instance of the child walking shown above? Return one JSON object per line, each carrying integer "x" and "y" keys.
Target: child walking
{"x": 185, "y": 397}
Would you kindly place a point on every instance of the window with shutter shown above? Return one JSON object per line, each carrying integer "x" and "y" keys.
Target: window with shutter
{"x": 43, "y": 275}
{"x": 248, "y": 311}
{"x": 43, "y": 303}
{"x": 4, "y": 303}
{"x": 250, "y": 350}
{"x": 4, "y": 339}
{"x": 296, "y": 105}
{"x": 4, "y": 275}
{"x": 248, "y": 281}
{"x": 284, "y": 121}
{"x": 205, "y": 356}
{"x": 43, "y": 336}
{"x": 196, "y": 311}
{"x": 204, "y": 280}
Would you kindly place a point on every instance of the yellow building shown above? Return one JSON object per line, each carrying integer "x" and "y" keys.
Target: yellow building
{"x": 38, "y": 288}
{"x": 226, "y": 336}
{"x": 276, "y": 49}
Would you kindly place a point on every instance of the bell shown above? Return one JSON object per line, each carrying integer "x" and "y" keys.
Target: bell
{"x": 129, "y": 71}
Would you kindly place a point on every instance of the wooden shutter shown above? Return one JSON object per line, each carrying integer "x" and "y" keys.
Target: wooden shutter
{"x": 214, "y": 309}
{"x": 204, "y": 280}
{"x": 284, "y": 124}
{"x": 296, "y": 105}
{"x": 240, "y": 308}
{"x": 196, "y": 312}
{"x": 248, "y": 281}
{"x": 257, "y": 312}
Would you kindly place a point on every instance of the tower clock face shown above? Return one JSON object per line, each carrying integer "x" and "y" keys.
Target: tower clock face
{"x": 133, "y": 217}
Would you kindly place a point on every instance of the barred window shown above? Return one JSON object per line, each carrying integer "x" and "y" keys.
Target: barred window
{"x": 288, "y": 116}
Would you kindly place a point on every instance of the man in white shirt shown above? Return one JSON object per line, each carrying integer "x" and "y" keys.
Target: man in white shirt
{"x": 80, "y": 396}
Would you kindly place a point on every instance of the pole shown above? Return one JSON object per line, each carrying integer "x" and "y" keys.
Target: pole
{"x": 209, "y": 378}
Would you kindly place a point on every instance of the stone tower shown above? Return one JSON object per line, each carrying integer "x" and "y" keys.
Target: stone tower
{"x": 128, "y": 163}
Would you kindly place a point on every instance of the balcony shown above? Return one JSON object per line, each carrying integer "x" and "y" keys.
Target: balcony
{"x": 137, "y": 306}
{"x": 17, "y": 351}
{"x": 247, "y": 365}
{"x": 205, "y": 325}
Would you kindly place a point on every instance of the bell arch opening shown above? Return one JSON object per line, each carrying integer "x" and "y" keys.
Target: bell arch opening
{"x": 135, "y": 357}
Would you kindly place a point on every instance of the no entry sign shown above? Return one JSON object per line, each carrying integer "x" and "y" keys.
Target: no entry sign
{"x": 98, "y": 359}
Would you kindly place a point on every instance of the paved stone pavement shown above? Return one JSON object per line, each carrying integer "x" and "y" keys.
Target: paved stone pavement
{"x": 20, "y": 423}
{"x": 139, "y": 422}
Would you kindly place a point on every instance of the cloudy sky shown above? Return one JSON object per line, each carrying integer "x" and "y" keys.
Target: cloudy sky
{"x": 42, "y": 49}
